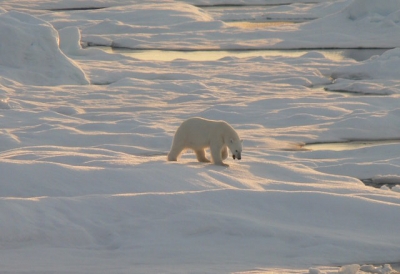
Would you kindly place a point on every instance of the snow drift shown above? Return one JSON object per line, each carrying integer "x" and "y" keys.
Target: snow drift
{"x": 29, "y": 53}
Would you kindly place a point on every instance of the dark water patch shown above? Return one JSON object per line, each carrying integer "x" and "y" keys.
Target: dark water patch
{"x": 100, "y": 83}
{"x": 77, "y": 9}
{"x": 376, "y": 183}
{"x": 356, "y": 93}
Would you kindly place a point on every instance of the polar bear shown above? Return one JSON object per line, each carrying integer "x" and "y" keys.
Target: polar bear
{"x": 198, "y": 134}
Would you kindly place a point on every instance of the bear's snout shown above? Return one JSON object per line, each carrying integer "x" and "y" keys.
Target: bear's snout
{"x": 239, "y": 157}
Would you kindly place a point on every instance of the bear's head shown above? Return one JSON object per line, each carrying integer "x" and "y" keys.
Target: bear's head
{"x": 235, "y": 146}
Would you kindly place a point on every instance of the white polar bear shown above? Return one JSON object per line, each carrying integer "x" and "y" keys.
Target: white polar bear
{"x": 198, "y": 134}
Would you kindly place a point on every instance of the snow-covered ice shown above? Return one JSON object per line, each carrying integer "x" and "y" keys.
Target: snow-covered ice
{"x": 85, "y": 185}
{"x": 30, "y": 53}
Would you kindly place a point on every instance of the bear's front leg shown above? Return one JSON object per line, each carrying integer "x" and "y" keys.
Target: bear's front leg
{"x": 224, "y": 153}
{"x": 215, "y": 149}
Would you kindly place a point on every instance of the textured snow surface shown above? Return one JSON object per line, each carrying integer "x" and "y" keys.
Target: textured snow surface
{"x": 85, "y": 185}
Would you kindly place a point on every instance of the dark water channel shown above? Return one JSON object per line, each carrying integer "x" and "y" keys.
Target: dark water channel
{"x": 378, "y": 184}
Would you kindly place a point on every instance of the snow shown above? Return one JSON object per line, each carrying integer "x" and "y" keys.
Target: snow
{"x": 130, "y": 27}
{"x": 85, "y": 185}
{"x": 30, "y": 52}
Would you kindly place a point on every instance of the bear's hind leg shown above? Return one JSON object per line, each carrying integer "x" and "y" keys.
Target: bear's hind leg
{"x": 201, "y": 156}
{"x": 175, "y": 152}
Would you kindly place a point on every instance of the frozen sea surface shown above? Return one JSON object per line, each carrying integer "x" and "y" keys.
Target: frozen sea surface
{"x": 85, "y": 185}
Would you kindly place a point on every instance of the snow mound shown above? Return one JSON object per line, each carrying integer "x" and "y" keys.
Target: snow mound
{"x": 386, "y": 179}
{"x": 377, "y": 75}
{"x": 152, "y": 14}
{"x": 361, "y": 87}
{"x": 349, "y": 269}
{"x": 374, "y": 11}
{"x": 70, "y": 40}
{"x": 385, "y": 269}
{"x": 377, "y": 67}
{"x": 29, "y": 53}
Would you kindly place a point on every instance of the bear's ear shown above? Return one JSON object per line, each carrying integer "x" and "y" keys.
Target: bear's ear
{"x": 231, "y": 141}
